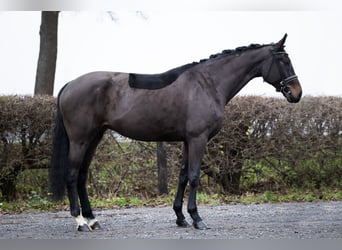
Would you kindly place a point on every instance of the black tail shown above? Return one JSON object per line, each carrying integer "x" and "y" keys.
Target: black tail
{"x": 59, "y": 160}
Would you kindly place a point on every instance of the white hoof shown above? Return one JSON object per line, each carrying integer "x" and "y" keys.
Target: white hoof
{"x": 82, "y": 224}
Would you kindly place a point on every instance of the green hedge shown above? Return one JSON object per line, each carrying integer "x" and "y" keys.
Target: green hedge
{"x": 264, "y": 144}
{"x": 285, "y": 145}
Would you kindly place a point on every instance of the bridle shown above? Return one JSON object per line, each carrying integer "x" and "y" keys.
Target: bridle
{"x": 282, "y": 86}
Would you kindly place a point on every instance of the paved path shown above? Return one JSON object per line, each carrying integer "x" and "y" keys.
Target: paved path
{"x": 305, "y": 220}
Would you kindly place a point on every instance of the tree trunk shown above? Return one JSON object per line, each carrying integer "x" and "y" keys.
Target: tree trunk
{"x": 162, "y": 168}
{"x": 46, "y": 68}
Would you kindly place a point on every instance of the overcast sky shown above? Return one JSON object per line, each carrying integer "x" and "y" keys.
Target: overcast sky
{"x": 153, "y": 41}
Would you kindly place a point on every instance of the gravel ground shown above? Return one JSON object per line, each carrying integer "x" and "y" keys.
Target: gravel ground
{"x": 305, "y": 220}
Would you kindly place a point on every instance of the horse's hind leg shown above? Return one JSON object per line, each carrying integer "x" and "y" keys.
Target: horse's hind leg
{"x": 76, "y": 155}
{"x": 81, "y": 185}
{"x": 87, "y": 213}
{"x": 182, "y": 182}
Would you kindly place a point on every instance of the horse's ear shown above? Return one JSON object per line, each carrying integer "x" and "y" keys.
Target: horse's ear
{"x": 280, "y": 45}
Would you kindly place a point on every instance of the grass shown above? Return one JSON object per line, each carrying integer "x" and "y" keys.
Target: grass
{"x": 292, "y": 196}
{"x": 35, "y": 203}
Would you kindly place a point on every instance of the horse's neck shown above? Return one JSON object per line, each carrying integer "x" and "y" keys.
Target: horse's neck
{"x": 236, "y": 71}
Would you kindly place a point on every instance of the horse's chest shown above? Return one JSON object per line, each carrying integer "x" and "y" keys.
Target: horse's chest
{"x": 216, "y": 124}
{"x": 205, "y": 120}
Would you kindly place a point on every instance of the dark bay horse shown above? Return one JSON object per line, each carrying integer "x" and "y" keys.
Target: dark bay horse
{"x": 183, "y": 104}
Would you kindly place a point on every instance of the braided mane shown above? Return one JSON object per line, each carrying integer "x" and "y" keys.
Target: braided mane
{"x": 234, "y": 51}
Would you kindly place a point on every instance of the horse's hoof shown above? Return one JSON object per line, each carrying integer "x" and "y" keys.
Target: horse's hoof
{"x": 83, "y": 228}
{"x": 200, "y": 225}
{"x": 95, "y": 226}
{"x": 182, "y": 223}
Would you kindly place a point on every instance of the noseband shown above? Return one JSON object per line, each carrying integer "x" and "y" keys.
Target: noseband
{"x": 284, "y": 80}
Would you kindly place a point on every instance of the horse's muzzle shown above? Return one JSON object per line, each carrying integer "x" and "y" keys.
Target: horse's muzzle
{"x": 293, "y": 91}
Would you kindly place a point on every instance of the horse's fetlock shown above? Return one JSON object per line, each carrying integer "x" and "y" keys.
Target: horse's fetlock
{"x": 192, "y": 210}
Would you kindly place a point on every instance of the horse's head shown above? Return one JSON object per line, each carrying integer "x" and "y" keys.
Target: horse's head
{"x": 279, "y": 72}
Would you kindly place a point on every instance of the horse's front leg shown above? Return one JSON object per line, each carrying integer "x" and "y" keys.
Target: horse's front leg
{"x": 196, "y": 152}
{"x": 182, "y": 182}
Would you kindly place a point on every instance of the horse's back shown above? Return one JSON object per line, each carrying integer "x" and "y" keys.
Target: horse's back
{"x": 89, "y": 88}
{"x": 91, "y": 81}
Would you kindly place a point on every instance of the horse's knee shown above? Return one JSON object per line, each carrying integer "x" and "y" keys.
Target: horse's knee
{"x": 183, "y": 180}
{"x": 194, "y": 181}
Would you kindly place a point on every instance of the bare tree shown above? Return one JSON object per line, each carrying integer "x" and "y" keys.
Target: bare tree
{"x": 45, "y": 76}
